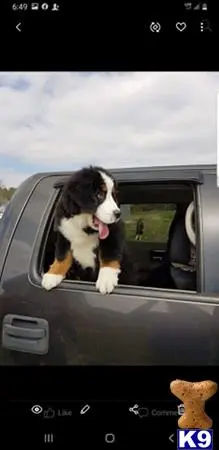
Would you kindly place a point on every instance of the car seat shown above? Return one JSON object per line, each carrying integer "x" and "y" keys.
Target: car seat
{"x": 177, "y": 271}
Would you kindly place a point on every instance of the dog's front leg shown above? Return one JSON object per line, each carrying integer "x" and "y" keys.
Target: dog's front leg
{"x": 60, "y": 266}
{"x": 108, "y": 276}
{"x": 110, "y": 256}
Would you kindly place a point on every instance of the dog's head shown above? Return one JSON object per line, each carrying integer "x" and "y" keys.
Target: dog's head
{"x": 92, "y": 192}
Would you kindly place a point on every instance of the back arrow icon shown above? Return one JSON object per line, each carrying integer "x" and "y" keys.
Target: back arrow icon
{"x": 171, "y": 438}
{"x": 18, "y": 26}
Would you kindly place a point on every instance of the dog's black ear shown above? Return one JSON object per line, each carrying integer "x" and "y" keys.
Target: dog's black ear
{"x": 70, "y": 200}
{"x": 67, "y": 205}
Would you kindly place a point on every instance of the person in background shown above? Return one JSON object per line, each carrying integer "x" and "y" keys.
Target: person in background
{"x": 139, "y": 230}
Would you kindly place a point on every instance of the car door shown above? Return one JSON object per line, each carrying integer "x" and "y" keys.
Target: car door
{"x": 132, "y": 326}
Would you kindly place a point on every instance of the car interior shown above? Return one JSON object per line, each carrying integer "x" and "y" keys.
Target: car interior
{"x": 168, "y": 264}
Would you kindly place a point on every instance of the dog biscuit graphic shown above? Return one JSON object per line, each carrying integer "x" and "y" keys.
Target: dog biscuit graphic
{"x": 194, "y": 396}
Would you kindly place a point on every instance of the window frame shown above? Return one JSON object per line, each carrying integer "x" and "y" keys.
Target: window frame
{"x": 36, "y": 262}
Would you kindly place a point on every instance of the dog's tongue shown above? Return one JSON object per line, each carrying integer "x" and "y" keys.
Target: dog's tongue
{"x": 102, "y": 228}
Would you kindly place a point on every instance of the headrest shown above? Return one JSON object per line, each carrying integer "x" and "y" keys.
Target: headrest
{"x": 179, "y": 245}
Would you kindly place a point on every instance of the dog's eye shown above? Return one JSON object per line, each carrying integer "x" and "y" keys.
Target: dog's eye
{"x": 100, "y": 195}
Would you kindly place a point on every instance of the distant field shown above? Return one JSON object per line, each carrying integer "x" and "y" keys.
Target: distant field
{"x": 156, "y": 224}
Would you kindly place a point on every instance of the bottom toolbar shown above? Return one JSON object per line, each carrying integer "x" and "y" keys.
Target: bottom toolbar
{"x": 122, "y": 424}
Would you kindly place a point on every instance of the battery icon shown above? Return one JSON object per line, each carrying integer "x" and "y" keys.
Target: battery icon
{"x": 34, "y": 6}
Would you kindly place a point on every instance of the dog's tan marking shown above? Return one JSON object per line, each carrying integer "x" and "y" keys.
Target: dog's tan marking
{"x": 61, "y": 267}
{"x": 103, "y": 188}
{"x": 112, "y": 264}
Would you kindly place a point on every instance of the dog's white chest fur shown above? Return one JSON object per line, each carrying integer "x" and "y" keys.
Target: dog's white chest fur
{"x": 82, "y": 244}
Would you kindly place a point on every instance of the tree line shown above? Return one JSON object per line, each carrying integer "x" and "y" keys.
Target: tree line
{"x": 153, "y": 207}
{"x": 5, "y": 193}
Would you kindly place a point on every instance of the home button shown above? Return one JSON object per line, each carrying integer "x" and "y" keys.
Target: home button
{"x": 110, "y": 438}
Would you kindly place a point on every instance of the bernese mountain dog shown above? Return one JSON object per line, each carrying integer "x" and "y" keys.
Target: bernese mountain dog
{"x": 90, "y": 233}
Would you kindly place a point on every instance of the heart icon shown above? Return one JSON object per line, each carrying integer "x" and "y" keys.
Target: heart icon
{"x": 180, "y": 26}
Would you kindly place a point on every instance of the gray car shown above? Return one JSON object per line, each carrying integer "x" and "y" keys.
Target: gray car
{"x": 170, "y": 318}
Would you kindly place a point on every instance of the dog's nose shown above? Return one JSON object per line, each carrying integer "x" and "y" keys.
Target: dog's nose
{"x": 117, "y": 214}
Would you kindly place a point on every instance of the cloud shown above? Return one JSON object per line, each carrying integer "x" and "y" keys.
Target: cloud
{"x": 12, "y": 178}
{"x": 60, "y": 121}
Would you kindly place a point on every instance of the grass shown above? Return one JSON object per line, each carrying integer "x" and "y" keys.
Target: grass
{"x": 156, "y": 222}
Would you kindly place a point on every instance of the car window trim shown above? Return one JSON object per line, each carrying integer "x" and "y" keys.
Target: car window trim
{"x": 35, "y": 277}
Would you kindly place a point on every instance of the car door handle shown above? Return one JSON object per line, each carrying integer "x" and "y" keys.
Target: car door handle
{"x": 157, "y": 255}
{"x": 25, "y": 334}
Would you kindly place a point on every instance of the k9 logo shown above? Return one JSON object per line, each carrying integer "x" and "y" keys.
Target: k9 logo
{"x": 195, "y": 439}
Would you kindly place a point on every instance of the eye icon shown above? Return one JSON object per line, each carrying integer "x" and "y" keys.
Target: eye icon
{"x": 36, "y": 409}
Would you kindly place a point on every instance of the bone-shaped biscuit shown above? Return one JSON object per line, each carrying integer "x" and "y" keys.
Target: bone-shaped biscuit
{"x": 194, "y": 396}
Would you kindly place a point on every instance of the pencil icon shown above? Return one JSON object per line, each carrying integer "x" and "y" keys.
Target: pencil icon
{"x": 84, "y": 409}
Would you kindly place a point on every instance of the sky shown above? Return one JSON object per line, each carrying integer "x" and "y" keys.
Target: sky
{"x": 57, "y": 121}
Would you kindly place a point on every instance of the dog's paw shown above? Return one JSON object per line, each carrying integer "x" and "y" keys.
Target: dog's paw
{"x": 107, "y": 280}
{"x": 50, "y": 281}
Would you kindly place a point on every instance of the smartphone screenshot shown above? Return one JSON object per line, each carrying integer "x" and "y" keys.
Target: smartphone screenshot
{"x": 109, "y": 291}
